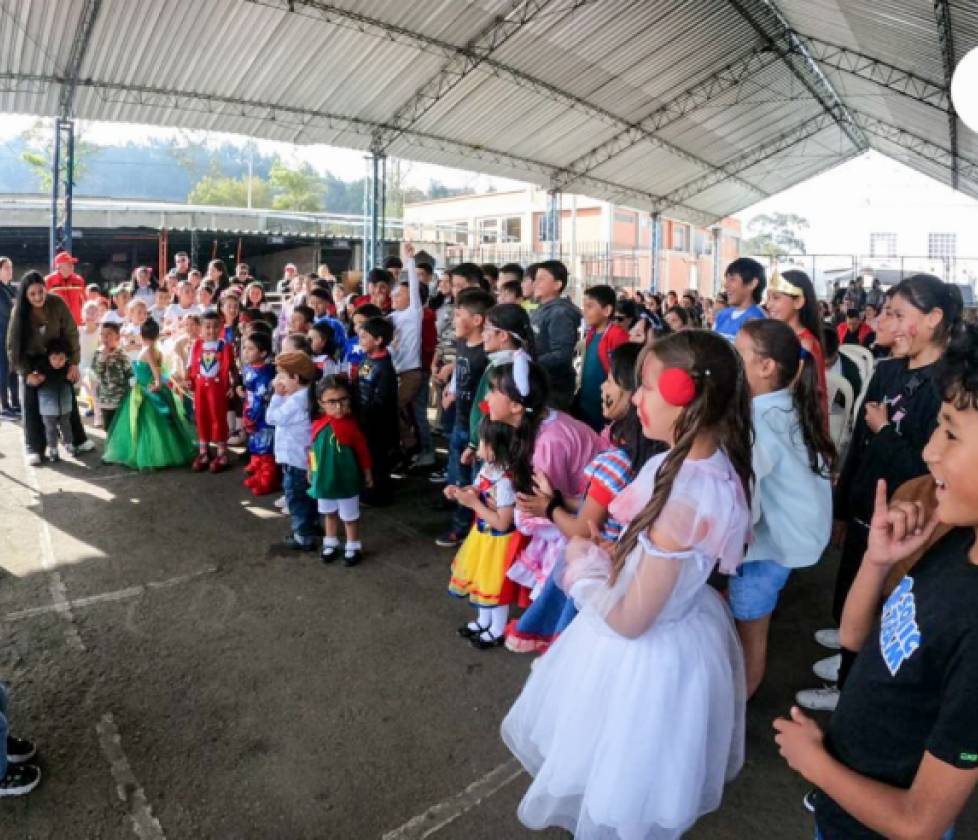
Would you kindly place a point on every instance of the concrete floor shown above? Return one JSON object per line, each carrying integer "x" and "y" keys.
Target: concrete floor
{"x": 186, "y": 680}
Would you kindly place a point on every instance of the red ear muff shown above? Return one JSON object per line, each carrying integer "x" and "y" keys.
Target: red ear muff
{"x": 484, "y": 406}
{"x": 677, "y": 387}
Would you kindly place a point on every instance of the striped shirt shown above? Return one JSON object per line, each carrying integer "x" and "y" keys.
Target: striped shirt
{"x": 607, "y": 475}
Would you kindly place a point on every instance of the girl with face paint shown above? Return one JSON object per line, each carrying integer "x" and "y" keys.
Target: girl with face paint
{"x": 897, "y": 419}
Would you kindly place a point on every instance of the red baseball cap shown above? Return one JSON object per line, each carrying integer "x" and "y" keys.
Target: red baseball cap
{"x": 64, "y": 258}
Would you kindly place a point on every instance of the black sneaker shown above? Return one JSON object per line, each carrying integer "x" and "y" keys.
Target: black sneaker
{"x": 352, "y": 558}
{"x": 21, "y": 779}
{"x": 20, "y": 750}
{"x": 450, "y": 539}
{"x": 292, "y": 543}
{"x": 329, "y": 553}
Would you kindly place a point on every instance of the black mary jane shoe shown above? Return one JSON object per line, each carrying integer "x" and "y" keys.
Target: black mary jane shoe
{"x": 330, "y": 553}
{"x": 482, "y": 644}
{"x": 467, "y": 632}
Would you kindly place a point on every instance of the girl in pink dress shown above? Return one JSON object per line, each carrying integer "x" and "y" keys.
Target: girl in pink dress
{"x": 545, "y": 441}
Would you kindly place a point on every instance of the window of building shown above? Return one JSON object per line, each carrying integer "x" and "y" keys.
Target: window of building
{"x": 488, "y": 231}
{"x": 513, "y": 229}
{"x": 625, "y": 216}
{"x": 882, "y": 244}
{"x": 462, "y": 233}
{"x": 543, "y": 227}
{"x": 680, "y": 237}
{"x": 942, "y": 245}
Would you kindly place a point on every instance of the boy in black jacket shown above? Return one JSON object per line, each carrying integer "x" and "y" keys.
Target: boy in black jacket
{"x": 377, "y": 392}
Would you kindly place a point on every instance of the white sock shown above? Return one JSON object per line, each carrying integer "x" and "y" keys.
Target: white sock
{"x": 331, "y": 542}
{"x": 352, "y": 546}
{"x": 474, "y": 625}
{"x": 500, "y": 615}
{"x": 485, "y": 617}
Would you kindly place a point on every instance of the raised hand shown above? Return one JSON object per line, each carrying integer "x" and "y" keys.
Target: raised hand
{"x": 897, "y": 531}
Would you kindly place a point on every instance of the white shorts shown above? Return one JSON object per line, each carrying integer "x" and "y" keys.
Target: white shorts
{"x": 349, "y": 509}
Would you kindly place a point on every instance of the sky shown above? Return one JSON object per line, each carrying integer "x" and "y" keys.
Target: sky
{"x": 842, "y": 205}
{"x": 348, "y": 164}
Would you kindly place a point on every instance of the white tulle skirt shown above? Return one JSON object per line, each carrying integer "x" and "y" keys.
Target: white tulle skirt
{"x": 632, "y": 739}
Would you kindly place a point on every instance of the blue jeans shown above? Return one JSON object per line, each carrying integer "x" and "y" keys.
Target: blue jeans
{"x": 459, "y": 475}
{"x": 3, "y": 730}
{"x": 421, "y": 415}
{"x": 302, "y": 507}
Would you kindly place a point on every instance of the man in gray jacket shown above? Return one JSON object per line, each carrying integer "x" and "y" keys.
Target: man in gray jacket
{"x": 556, "y": 326}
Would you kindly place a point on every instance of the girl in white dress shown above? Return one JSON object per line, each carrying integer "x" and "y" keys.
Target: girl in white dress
{"x": 634, "y": 721}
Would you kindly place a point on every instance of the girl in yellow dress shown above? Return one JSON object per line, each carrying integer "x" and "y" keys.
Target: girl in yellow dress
{"x": 479, "y": 569}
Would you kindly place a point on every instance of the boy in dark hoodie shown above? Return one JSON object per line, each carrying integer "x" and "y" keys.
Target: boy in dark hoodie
{"x": 556, "y": 322}
{"x": 377, "y": 391}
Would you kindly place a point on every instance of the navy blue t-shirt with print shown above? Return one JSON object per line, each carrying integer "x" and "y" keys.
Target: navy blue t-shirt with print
{"x": 914, "y": 685}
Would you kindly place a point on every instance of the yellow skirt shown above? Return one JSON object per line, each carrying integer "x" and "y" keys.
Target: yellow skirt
{"x": 479, "y": 568}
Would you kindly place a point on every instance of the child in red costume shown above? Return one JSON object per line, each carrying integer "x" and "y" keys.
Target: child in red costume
{"x": 211, "y": 373}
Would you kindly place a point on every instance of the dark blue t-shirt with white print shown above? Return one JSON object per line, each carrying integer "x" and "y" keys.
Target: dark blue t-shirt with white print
{"x": 914, "y": 685}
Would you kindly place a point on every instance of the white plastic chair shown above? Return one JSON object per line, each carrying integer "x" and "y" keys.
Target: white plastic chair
{"x": 841, "y": 400}
{"x": 864, "y": 361}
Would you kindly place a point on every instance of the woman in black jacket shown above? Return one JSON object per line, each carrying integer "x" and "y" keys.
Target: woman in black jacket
{"x": 36, "y": 319}
{"x": 9, "y": 390}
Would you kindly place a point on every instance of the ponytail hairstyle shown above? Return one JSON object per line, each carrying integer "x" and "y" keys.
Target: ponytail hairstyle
{"x": 776, "y": 341}
{"x": 926, "y": 293}
{"x": 513, "y": 319}
{"x": 808, "y": 314}
{"x": 721, "y": 405}
{"x": 627, "y": 432}
{"x": 534, "y": 403}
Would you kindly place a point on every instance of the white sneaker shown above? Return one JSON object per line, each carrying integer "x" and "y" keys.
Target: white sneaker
{"x": 828, "y": 669}
{"x": 282, "y": 503}
{"x": 425, "y": 459}
{"x": 52, "y": 454}
{"x": 87, "y": 446}
{"x": 33, "y": 459}
{"x": 818, "y": 699}
{"x": 828, "y": 637}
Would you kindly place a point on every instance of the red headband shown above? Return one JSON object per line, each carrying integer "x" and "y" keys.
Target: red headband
{"x": 677, "y": 387}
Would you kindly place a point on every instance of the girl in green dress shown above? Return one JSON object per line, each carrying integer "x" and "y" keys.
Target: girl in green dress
{"x": 150, "y": 430}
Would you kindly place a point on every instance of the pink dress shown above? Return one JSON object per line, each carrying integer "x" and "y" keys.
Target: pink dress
{"x": 563, "y": 449}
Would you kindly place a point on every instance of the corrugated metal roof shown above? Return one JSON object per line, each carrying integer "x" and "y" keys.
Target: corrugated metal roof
{"x": 700, "y": 106}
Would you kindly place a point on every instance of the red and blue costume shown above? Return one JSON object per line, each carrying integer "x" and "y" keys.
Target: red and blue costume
{"x": 263, "y": 473}
{"x": 210, "y": 373}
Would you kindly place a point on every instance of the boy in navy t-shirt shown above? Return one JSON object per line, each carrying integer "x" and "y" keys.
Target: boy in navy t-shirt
{"x": 900, "y": 755}
{"x": 744, "y": 284}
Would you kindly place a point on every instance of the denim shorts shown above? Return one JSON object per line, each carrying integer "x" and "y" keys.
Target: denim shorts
{"x": 755, "y": 588}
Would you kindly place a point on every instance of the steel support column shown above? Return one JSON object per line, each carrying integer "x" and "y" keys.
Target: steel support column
{"x": 655, "y": 246}
{"x": 62, "y": 178}
{"x": 383, "y": 210}
{"x": 553, "y": 222}
{"x": 376, "y": 190}
{"x": 942, "y": 13}
{"x": 717, "y": 262}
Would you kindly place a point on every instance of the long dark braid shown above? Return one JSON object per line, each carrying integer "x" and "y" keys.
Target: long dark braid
{"x": 722, "y": 404}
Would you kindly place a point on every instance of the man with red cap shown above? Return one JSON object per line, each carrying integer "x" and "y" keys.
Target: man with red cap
{"x": 66, "y": 284}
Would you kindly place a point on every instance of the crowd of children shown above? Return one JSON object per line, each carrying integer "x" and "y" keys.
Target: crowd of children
{"x": 603, "y": 463}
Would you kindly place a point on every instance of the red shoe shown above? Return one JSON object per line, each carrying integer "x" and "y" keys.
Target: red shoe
{"x": 253, "y": 465}
{"x": 219, "y": 464}
{"x": 200, "y": 462}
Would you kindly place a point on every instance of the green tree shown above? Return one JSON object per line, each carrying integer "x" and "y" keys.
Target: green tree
{"x": 775, "y": 234}
{"x": 39, "y": 154}
{"x": 231, "y": 192}
{"x": 296, "y": 189}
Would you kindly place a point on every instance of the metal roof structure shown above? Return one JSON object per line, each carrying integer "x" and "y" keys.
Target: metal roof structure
{"x": 692, "y": 108}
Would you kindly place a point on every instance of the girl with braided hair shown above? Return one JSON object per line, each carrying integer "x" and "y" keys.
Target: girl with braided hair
{"x": 634, "y": 720}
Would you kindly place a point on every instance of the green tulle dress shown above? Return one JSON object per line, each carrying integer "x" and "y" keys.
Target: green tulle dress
{"x": 150, "y": 430}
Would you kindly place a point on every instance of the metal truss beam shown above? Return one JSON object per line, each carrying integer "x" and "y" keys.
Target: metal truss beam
{"x": 945, "y": 34}
{"x": 933, "y": 152}
{"x": 536, "y": 171}
{"x": 770, "y": 23}
{"x": 727, "y": 78}
{"x": 79, "y": 46}
{"x": 879, "y": 72}
{"x": 468, "y": 58}
{"x": 752, "y": 157}
{"x": 398, "y": 34}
